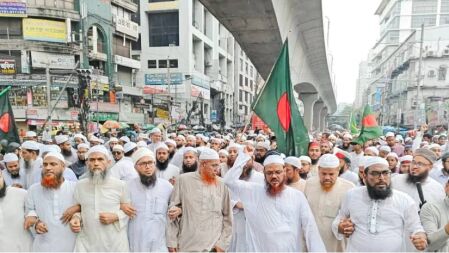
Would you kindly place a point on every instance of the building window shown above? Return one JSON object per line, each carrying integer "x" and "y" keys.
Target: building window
{"x": 251, "y": 71}
{"x": 251, "y": 85}
{"x": 442, "y": 71}
{"x": 246, "y": 81}
{"x": 156, "y": 1}
{"x": 241, "y": 65}
{"x": 240, "y": 80}
{"x": 427, "y": 20}
{"x": 240, "y": 96}
{"x": 162, "y": 64}
{"x": 246, "y": 68}
{"x": 246, "y": 96}
{"x": 424, "y": 6}
{"x": 163, "y": 29}
{"x": 152, "y": 64}
{"x": 173, "y": 63}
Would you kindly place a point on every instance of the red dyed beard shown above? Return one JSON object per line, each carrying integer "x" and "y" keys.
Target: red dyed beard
{"x": 209, "y": 178}
{"x": 274, "y": 191}
{"x": 51, "y": 181}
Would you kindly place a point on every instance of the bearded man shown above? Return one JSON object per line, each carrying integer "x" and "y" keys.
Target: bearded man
{"x": 190, "y": 160}
{"x": 441, "y": 175}
{"x": 314, "y": 152}
{"x": 50, "y": 205}
{"x": 276, "y": 215}
{"x": 292, "y": 167}
{"x": 233, "y": 151}
{"x": 101, "y": 225}
{"x": 164, "y": 169}
{"x": 67, "y": 150}
{"x": 171, "y": 144}
{"x": 261, "y": 151}
{"x": 12, "y": 174}
{"x": 30, "y": 162}
{"x": 150, "y": 196}
{"x": 306, "y": 163}
{"x": 206, "y": 221}
{"x": 79, "y": 168}
{"x": 377, "y": 218}
{"x": 325, "y": 194}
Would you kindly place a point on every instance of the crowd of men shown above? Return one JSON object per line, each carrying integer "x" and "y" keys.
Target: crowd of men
{"x": 175, "y": 192}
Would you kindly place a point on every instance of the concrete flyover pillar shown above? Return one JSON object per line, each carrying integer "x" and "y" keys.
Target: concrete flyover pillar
{"x": 317, "y": 107}
{"x": 323, "y": 121}
{"x": 308, "y": 99}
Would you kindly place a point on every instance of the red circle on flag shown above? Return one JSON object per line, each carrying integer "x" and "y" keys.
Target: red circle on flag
{"x": 5, "y": 120}
{"x": 284, "y": 112}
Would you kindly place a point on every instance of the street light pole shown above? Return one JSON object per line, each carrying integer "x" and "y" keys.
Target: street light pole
{"x": 418, "y": 90}
{"x": 47, "y": 72}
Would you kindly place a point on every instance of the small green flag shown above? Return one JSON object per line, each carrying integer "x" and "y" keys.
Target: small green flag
{"x": 8, "y": 129}
{"x": 353, "y": 125}
{"x": 370, "y": 129}
{"x": 276, "y": 106}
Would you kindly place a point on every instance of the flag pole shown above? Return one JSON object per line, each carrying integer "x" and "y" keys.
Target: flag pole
{"x": 5, "y": 90}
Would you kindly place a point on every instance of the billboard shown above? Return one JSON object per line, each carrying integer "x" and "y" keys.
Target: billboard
{"x": 53, "y": 61}
{"x": 11, "y": 8}
{"x": 7, "y": 66}
{"x": 44, "y": 30}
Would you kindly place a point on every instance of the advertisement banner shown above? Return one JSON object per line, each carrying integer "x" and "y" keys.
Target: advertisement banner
{"x": 161, "y": 79}
{"x": 126, "y": 26}
{"x": 44, "y": 30}
{"x": 7, "y": 66}
{"x": 196, "y": 91}
{"x": 11, "y": 8}
{"x": 163, "y": 114}
{"x": 55, "y": 61}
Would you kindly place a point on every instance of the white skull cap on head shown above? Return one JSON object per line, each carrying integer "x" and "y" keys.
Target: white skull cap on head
{"x": 328, "y": 161}
{"x": 273, "y": 159}
{"x": 55, "y": 155}
{"x": 59, "y": 139}
{"x": 385, "y": 148}
{"x": 10, "y": 157}
{"x": 140, "y": 153}
{"x": 209, "y": 154}
{"x": 129, "y": 146}
{"x": 30, "y": 145}
{"x": 161, "y": 145}
{"x": 98, "y": 149}
{"x": 83, "y": 145}
{"x": 371, "y": 160}
{"x": 294, "y": 161}
{"x": 305, "y": 159}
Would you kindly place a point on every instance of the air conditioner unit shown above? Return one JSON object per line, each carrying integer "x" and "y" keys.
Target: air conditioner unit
{"x": 446, "y": 52}
{"x": 430, "y": 53}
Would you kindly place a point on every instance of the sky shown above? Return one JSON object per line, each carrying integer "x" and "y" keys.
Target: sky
{"x": 353, "y": 31}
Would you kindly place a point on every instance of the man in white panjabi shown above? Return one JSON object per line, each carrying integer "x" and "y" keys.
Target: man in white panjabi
{"x": 292, "y": 167}
{"x": 13, "y": 175}
{"x": 165, "y": 169}
{"x": 376, "y": 217}
{"x": 50, "y": 205}
{"x": 149, "y": 198}
{"x": 206, "y": 221}
{"x": 325, "y": 194}
{"x": 12, "y": 216}
{"x": 101, "y": 225}
{"x": 239, "y": 235}
{"x": 277, "y": 216}
{"x": 30, "y": 162}
{"x": 124, "y": 169}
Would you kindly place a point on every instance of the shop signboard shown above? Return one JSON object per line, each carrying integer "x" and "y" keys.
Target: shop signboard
{"x": 103, "y": 116}
{"x": 44, "y": 30}
{"x": 53, "y": 61}
{"x": 7, "y": 66}
{"x": 13, "y": 8}
{"x": 126, "y": 26}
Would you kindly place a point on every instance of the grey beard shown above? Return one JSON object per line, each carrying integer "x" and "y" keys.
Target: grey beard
{"x": 97, "y": 177}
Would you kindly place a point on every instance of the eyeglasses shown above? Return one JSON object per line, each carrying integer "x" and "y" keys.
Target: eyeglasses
{"x": 419, "y": 164}
{"x": 377, "y": 174}
{"x": 271, "y": 173}
{"x": 145, "y": 164}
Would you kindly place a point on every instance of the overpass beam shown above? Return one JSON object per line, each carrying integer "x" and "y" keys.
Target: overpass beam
{"x": 308, "y": 100}
{"x": 323, "y": 120}
{"x": 317, "y": 107}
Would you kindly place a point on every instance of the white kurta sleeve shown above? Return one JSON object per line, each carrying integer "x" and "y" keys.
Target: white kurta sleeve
{"x": 241, "y": 188}
{"x": 343, "y": 213}
{"x": 122, "y": 217}
{"x": 436, "y": 233}
{"x": 417, "y": 141}
{"x": 411, "y": 218}
{"x": 310, "y": 229}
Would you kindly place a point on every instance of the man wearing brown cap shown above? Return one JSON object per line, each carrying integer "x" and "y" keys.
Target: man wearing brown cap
{"x": 421, "y": 165}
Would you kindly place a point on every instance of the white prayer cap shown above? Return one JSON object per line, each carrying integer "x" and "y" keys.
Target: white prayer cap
{"x": 171, "y": 142}
{"x": 55, "y": 155}
{"x": 161, "y": 145}
{"x": 10, "y": 157}
{"x": 243, "y": 138}
{"x": 434, "y": 145}
{"x": 142, "y": 152}
{"x": 125, "y": 139}
{"x": 371, "y": 160}
{"x": 399, "y": 137}
{"x": 204, "y": 138}
{"x": 294, "y": 161}
{"x": 59, "y": 139}
{"x": 216, "y": 139}
{"x": 118, "y": 148}
{"x": 143, "y": 136}
{"x": 101, "y": 140}
{"x": 155, "y": 130}
{"x": 190, "y": 137}
{"x": 408, "y": 139}
{"x": 113, "y": 139}
{"x": 406, "y": 158}
{"x": 234, "y": 145}
{"x": 263, "y": 144}
{"x": 373, "y": 149}
{"x": 209, "y": 154}
{"x": 189, "y": 149}
{"x": 389, "y": 134}
{"x": 348, "y": 136}
{"x": 385, "y": 148}
{"x": 393, "y": 155}
{"x": 30, "y": 134}
{"x": 273, "y": 159}
{"x": 223, "y": 151}
{"x": 305, "y": 158}
{"x": 80, "y": 136}
{"x": 328, "y": 161}
{"x": 30, "y": 145}
{"x": 129, "y": 146}
{"x": 140, "y": 144}
{"x": 83, "y": 145}
{"x": 182, "y": 137}
{"x": 98, "y": 149}
{"x": 50, "y": 148}
{"x": 94, "y": 139}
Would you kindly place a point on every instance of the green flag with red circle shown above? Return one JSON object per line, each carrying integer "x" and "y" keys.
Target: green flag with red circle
{"x": 370, "y": 129}
{"x": 276, "y": 106}
{"x": 8, "y": 129}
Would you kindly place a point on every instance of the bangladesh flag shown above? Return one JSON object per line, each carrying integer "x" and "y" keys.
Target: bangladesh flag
{"x": 276, "y": 106}
{"x": 8, "y": 128}
{"x": 370, "y": 129}
{"x": 353, "y": 125}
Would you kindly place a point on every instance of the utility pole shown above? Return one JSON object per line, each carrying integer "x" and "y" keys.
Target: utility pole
{"x": 168, "y": 88}
{"x": 47, "y": 72}
{"x": 418, "y": 89}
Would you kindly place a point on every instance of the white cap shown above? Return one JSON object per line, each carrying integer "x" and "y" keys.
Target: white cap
{"x": 141, "y": 144}
{"x": 30, "y": 134}
{"x": 80, "y": 136}
{"x": 125, "y": 139}
{"x": 385, "y": 148}
{"x": 56, "y": 155}
{"x": 182, "y": 137}
{"x": 434, "y": 145}
{"x": 224, "y": 152}
{"x": 50, "y": 148}
{"x": 389, "y": 134}
{"x": 209, "y": 154}
{"x": 117, "y": 148}
{"x": 10, "y": 157}
{"x": 140, "y": 153}
{"x": 161, "y": 145}
{"x": 113, "y": 139}
{"x": 155, "y": 130}
{"x": 399, "y": 137}
{"x": 31, "y": 145}
{"x": 171, "y": 142}
{"x": 373, "y": 149}
{"x": 59, "y": 139}
{"x": 328, "y": 161}
{"x": 273, "y": 159}
{"x": 83, "y": 145}
{"x": 143, "y": 136}
{"x": 234, "y": 145}
{"x": 393, "y": 155}
{"x": 98, "y": 149}
{"x": 294, "y": 161}
{"x": 263, "y": 144}
{"x": 129, "y": 146}
{"x": 406, "y": 158}
{"x": 347, "y": 136}
{"x": 305, "y": 159}
{"x": 189, "y": 149}
{"x": 371, "y": 160}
